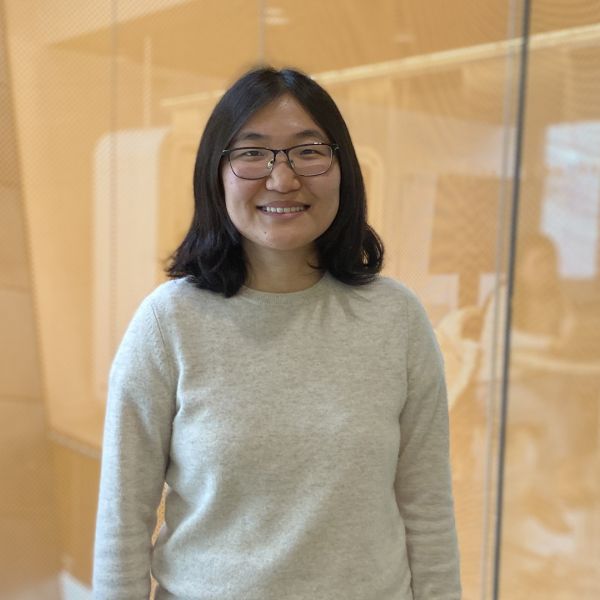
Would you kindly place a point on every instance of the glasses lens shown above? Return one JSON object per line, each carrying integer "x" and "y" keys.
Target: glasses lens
{"x": 250, "y": 163}
{"x": 311, "y": 159}
{"x": 307, "y": 160}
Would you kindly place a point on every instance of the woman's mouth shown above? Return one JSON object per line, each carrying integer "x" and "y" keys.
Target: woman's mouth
{"x": 278, "y": 210}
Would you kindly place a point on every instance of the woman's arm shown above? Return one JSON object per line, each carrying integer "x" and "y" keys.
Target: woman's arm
{"x": 137, "y": 432}
{"x": 423, "y": 482}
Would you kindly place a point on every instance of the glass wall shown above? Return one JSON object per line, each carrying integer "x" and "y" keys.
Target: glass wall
{"x": 107, "y": 102}
{"x": 551, "y": 525}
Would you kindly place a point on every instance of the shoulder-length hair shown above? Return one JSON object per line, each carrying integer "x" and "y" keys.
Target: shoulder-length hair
{"x": 211, "y": 253}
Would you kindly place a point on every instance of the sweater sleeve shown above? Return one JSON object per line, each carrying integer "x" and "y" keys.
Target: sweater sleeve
{"x": 423, "y": 483}
{"x": 137, "y": 431}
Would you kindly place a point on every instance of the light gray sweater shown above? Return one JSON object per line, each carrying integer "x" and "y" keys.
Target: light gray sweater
{"x": 304, "y": 440}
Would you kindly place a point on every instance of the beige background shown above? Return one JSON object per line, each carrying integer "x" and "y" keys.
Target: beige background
{"x": 101, "y": 108}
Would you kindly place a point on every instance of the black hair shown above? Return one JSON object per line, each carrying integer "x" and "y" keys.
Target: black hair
{"x": 211, "y": 254}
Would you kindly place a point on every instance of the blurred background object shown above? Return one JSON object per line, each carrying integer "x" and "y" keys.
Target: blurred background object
{"x": 101, "y": 109}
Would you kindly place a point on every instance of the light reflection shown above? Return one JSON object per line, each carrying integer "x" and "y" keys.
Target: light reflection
{"x": 571, "y": 205}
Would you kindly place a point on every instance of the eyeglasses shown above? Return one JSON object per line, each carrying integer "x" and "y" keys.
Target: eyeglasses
{"x": 306, "y": 160}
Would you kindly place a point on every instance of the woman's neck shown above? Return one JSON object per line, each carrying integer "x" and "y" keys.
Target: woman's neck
{"x": 281, "y": 271}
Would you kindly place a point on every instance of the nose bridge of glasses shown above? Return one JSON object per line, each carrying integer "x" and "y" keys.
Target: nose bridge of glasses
{"x": 286, "y": 158}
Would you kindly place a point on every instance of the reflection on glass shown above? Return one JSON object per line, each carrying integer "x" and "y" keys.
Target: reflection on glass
{"x": 109, "y": 105}
{"x": 551, "y": 534}
{"x": 571, "y": 208}
{"x": 551, "y": 479}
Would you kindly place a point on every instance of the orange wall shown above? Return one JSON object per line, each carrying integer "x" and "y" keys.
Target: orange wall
{"x": 107, "y": 110}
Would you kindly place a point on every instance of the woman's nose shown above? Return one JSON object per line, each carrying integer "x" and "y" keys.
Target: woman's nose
{"x": 282, "y": 177}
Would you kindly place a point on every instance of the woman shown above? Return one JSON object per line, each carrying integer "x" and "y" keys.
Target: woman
{"x": 543, "y": 321}
{"x": 543, "y": 316}
{"x": 548, "y": 468}
{"x": 292, "y": 399}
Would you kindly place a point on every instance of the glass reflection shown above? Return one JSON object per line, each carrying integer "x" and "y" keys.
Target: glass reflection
{"x": 109, "y": 104}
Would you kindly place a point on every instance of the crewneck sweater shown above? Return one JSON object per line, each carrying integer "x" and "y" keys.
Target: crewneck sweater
{"x": 303, "y": 440}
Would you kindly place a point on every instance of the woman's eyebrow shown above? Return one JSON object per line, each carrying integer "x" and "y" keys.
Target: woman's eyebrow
{"x": 249, "y": 135}
{"x": 255, "y": 136}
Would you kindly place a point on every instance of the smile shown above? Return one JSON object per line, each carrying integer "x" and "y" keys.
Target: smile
{"x": 272, "y": 209}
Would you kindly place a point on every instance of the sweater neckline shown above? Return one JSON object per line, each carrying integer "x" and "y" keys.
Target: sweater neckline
{"x": 283, "y": 298}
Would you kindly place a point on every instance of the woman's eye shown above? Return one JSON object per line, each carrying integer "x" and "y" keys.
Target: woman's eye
{"x": 316, "y": 150}
{"x": 312, "y": 151}
{"x": 249, "y": 154}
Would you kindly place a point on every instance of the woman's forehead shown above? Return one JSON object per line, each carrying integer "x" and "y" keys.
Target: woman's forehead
{"x": 283, "y": 117}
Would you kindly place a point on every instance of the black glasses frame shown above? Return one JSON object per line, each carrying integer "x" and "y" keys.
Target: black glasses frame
{"x": 276, "y": 151}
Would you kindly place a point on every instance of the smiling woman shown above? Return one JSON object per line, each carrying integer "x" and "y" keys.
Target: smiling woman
{"x": 292, "y": 398}
{"x": 280, "y": 215}
{"x": 231, "y": 234}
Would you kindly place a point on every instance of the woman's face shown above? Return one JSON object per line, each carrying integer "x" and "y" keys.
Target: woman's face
{"x": 281, "y": 124}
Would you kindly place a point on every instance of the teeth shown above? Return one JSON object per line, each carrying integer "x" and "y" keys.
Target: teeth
{"x": 271, "y": 209}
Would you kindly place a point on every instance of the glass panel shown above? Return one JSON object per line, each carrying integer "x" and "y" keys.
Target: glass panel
{"x": 109, "y": 102}
{"x": 432, "y": 109}
{"x": 61, "y": 106}
{"x": 551, "y": 535}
